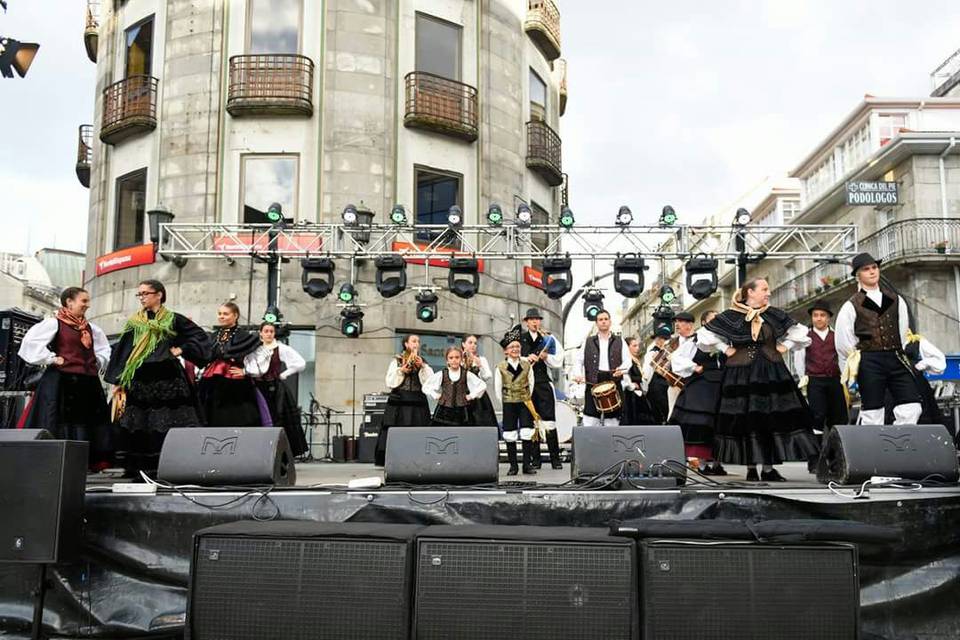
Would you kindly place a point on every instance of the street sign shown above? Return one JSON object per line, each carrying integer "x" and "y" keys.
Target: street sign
{"x": 873, "y": 193}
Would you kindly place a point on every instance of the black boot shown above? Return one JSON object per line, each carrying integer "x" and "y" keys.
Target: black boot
{"x": 553, "y": 444}
{"x": 536, "y": 458}
{"x": 528, "y": 448}
{"x": 512, "y": 459}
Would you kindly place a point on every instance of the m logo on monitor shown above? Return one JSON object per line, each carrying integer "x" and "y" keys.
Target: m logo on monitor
{"x": 442, "y": 446}
{"x": 897, "y": 443}
{"x": 219, "y": 447}
{"x": 628, "y": 443}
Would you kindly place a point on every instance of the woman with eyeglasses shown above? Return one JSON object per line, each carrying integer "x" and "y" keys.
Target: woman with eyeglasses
{"x": 229, "y": 396}
{"x": 152, "y": 393}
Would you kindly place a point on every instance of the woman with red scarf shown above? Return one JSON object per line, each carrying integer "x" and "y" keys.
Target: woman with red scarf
{"x": 69, "y": 400}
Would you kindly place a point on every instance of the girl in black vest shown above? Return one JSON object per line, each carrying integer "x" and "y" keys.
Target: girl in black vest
{"x": 229, "y": 396}
{"x": 481, "y": 410}
{"x": 454, "y": 388}
{"x": 407, "y": 405}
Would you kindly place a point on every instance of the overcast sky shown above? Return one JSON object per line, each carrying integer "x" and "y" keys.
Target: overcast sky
{"x": 690, "y": 103}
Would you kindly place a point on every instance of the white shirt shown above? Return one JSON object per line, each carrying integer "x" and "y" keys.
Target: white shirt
{"x": 485, "y": 373}
{"x": 847, "y": 341}
{"x": 604, "y": 364}
{"x": 554, "y": 360}
{"x": 681, "y": 360}
{"x": 395, "y": 376}
{"x": 475, "y": 386}
{"x": 800, "y": 355}
{"x": 34, "y": 348}
{"x": 797, "y": 337}
{"x": 498, "y": 379}
{"x": 257, "y": 363}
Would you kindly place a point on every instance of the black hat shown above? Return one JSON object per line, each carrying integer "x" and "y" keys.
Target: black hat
{"x": 533, "y": 312}
{"x": 862, "y": 260}
{"x": 820, "y": 305}
{"x": 684, "y": 316}
{"x": 513, "y": 335}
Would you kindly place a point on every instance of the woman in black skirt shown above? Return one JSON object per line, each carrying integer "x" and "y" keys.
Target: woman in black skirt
{"x": 229, "y": 396}
{"x": 453, "y": 388}
{"x": 636, "y": 407}
{"x": 481, "y": 410}
{"x": 271, "y": 364}
{"x": 407, "y": 405}
{"x": 761, "y": 416}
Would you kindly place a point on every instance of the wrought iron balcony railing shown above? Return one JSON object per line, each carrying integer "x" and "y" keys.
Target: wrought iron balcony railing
{"x": 543, "y": 152}
{"x": 896, "y": 243}
{"x": 84, "y": 153}
{"x": 439, "y": 104}
{"x": 270, "y": 84}
{"x": 543, "y": 26}
{"x": 129, "y": 108}
{"x": 91, "y": 29}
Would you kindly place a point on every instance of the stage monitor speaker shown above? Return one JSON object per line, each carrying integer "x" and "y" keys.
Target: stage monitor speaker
{"x": 21, "y": 435}
{"x": 855, "y": 453}
{"x": 727, "y": 591}
{"x": 442, "y": 455}
{"x": 42, "y": 485}
{"x": 294, "y": 580}
{"x": 14, "y": 324}
{"x": 538, "y": 583}
{"x": 598, "y": 448}
{"x": 224, "y": 456}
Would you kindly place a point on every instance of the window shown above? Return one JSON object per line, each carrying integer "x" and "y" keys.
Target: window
{"x": 821, "y": 179}
{"x": 790, "y": 208}
{"x": 268, "y": 179}
{"x": 438, "y": 47}
{"x": 139, "y": 43}
{"x": 274, "y": 26}
{"x": 131, "y": 198}
{"x": 432, "y": 346}
{"x": 437, "y": 191}
{"x": 887, "y": 234}
{"x": 538, "y": 97}
{"x": 856, "y": 148}
{"x": 540, "y": 240}
{"x": 890, "y": 125}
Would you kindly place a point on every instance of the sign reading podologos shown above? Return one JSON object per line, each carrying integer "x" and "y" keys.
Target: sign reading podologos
{"x": 873, "y": 193}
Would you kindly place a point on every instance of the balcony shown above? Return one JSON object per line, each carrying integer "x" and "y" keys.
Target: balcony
{"x": 947, "y": 76}
{"x": 276, "y": 84}
{"x": 543, "y": 27}
{"x": 129, "y": 109}
{"x": 543, "y": 152}
{"x": 561, "y": 67}
{"x": 906, "y": 241}
{"x": 84, "y": 153}
{"x": 91, "y": 29}
{"x": 435, "y": 103}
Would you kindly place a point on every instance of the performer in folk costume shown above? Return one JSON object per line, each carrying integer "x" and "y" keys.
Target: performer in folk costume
{"x": 407, "y": 405}
{"x": 696, "y": 405}
{"x": 152, "y": 392}
{"x": 481, "y": 410}
{"x": 604, "y": 357}
{"x": 69, "y": 400}
{"x": 540, "y": 349}
{"x": 654, "y": 384}
{"x": 514, "y": 384}
{"x": 924, "y": 357}
{"x": 271, "y": 364}
{"x": 454, "y": 388}
{"x": 873, "y": 323}
{"x": 761, "y": 417}
{"x": 229, "y": 397}
{"x": 818, "y": 368}
{"x": 636, "y": 407}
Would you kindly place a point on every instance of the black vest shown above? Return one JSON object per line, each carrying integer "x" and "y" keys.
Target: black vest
{"x": 591, "y": 356}
{"x": 541, "y": 373}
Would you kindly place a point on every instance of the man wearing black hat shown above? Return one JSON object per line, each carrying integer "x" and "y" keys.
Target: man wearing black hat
{"x": 874, "y": 321}
{"x": 819, "y": 370}
{"x": 542, "y": 352}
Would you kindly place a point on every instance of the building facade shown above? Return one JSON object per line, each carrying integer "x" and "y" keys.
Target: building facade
{"x": 215, "y": 109}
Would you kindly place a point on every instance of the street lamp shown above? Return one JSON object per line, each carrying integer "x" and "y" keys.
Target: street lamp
{"x": 157, "y": 216}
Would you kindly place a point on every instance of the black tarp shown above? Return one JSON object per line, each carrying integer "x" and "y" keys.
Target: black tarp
{"x": 132, "y": 579}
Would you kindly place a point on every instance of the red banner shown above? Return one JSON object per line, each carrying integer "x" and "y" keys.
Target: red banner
{"x": 533, "y": 278}
{"x": 434, "y": 262}
{"x": 136, "y": 256}
{"x": 244, "y": 243}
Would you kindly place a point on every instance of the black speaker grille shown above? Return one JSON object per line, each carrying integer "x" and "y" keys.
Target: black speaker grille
{"x": 474, "y": 589}
{"x": 731, "y": 593}
{"x": 289, "y": 589}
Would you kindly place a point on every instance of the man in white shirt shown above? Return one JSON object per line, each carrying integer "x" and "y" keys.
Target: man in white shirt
{"x": 604, "y": 357}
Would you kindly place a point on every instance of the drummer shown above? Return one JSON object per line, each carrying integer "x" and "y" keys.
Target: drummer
{"x": 603, "y": 358}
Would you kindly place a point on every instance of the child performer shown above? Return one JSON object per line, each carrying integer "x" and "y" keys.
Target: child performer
{"x": 513, "y": 382}
{"x": 454, "y": 388}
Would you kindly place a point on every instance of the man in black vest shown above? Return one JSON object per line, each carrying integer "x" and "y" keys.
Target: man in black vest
{"x": 875, "y": 321}
{"x": 818, "y": 368}
{"x": 604, "y": 357}
{"x": 542, "y": 351}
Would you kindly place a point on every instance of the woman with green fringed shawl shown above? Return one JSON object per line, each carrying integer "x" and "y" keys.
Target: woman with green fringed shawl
{"x": 152, "y": 391}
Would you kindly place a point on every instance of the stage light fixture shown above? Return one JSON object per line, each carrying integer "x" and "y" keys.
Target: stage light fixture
{"x": 557, "y": 276}
{"x": 351, "y": 321}
{"x": 275, "y": 213}
{"x": 667, "y": 294}
{"x": 702, "y": 278}
{"x": 632, "y": 267}
{"x": 426, "y": 306}
{"x": 524, "y": 215}
{"x": 624, "y": 216}
{"x": 592, "y": 304}
{"x": 464, "y": 277}
{"x": 668, "y": 217}
{"x": 566, "y": 218}
{"x": 398, "y": 215}
{"x": 272, "y": 314}
{"x": 494, "y": 215}
{"x": 663, "y": 321}
{"x": 742, "y": 218}
{"x": 455, "y": 217}
{"x": 391, "y": 275}
{"x": 347, "y": 293}
{"x": 316, "y": 277}
{"x": 16, "y": 56}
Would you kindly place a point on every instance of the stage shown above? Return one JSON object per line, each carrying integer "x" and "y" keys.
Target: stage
{"x": 132, "y": 580}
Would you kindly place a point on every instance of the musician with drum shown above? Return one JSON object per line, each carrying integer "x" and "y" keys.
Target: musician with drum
{"x": 601, "y": 363}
